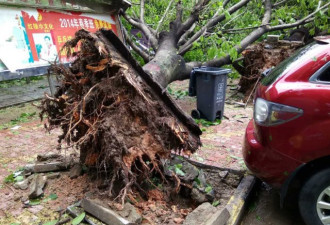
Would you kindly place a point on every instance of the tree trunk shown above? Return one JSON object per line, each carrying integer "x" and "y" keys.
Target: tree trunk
{"x": 167, "y": 66}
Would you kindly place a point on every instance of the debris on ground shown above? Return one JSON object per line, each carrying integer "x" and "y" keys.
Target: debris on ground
{"x": 37, "y": 185}
{"x": 48, "y": 156}
{"x": 104, "y": 214}
{"x": 200, "y": 215}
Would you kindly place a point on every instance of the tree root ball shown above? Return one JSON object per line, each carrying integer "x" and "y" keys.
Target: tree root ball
{"x": 118, "y": 120}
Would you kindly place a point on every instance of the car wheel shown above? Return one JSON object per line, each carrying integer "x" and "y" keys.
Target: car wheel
{"x": 195, "y": 114}
{"x": 314, "y": 199}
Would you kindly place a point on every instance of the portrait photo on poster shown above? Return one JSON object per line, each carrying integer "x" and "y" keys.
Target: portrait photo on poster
{"x": 46, "y": 49}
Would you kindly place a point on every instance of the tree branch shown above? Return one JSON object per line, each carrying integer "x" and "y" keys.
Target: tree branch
{"x": 279, "y": 3}
{"x": 136, "y": 48}
{"x": 231, "y": 20}
{"x": 164, "y": 15}
{"x": 232, "y": 31}
{"x": 299, "y": 22}
{"x": 253, "y": 36}
{"x": 144, "y": 28}
{"x": 142, "y": 11}
{"x": 212, "y": 22}
{"x": 225, "y": 2}
{"x": 184, "y": 37}
{"x": 192, "y": 18}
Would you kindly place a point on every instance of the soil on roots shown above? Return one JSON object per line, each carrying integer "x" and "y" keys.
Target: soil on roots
{"x": 258, "y": 58}
{"x": 120, "y": 119}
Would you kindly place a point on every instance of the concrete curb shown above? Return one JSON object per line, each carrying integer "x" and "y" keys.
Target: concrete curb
{"x": 237, "y": 202}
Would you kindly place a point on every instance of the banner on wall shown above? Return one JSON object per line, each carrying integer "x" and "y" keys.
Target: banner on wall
{"x": 54, "y": 4}
{"x": 34, "y": 37}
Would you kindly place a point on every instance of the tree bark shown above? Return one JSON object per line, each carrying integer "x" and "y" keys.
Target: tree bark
{"x": 167, "y": 65}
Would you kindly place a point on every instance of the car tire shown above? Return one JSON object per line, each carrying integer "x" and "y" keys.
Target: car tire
{"x": 315, "y": 190}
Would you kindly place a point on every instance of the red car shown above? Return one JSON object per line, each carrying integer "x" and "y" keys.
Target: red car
{"x": 287, "y": 143}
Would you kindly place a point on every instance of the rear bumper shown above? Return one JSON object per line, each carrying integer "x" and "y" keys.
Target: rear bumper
{"x": 266, "y": 163}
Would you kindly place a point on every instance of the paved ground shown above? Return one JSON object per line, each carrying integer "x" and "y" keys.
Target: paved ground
{"x": 222, "y": 143}
{"x": 264, "y": 209}
{"x": 22, "y": 137}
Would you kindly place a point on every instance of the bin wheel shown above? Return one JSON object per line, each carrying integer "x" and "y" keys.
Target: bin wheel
{"x": 195, "y": 114}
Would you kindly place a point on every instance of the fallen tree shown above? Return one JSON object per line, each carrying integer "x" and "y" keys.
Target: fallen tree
{"x": 186, "y": 34}
{"x": 122, "y": 121}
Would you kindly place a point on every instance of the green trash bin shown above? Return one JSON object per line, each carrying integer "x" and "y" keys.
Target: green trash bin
{"x": 209, "y": 85}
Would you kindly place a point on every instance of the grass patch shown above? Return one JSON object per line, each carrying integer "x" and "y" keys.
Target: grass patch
{"x": 23, "y": 118}
{"x": 19, "y": 82}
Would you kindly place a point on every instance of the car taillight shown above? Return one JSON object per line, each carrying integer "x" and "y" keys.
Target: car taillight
{"x": 268, "y": 113}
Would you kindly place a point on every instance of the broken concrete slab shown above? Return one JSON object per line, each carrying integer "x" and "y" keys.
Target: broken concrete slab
{"x": 48, "y": 156}
{"x": 23, "y": 185}
{"x": 106, "y": 215}
{"x": 219, "y": 218}
{"x": 198, "y": 196}
{"x": 223, "y": 174}
{"x": 76, "y": 171}
{"x": 200, "y": 215}
{"x": 47, "y": 167}
{"x": 36, "y": 187}
{"x": 52, "y": 176}
{"x": 130, "y": 213}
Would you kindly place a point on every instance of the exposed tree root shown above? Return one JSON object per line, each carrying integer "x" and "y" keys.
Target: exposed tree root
{"x": 258, "y": 58}
{"x": 121, "y": 120}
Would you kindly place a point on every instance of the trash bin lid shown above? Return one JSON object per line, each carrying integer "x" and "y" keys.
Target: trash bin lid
{"x": 212, "y": 70}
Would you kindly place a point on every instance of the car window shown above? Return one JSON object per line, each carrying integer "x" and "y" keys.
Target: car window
{"x": 289, "y": 63}
{"x": 322, "y": 75}
{"x": 325, "y": 76}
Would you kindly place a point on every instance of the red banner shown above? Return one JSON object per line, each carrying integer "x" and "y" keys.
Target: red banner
{"x": 49, "y": 32}
{"x": 34, "y": 37}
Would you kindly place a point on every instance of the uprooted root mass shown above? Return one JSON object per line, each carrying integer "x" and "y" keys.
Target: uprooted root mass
{"x": 119, "y": 122}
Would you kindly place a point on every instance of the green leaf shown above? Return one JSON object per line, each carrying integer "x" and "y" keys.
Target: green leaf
{"x": 227, "y": 15}
{"x": 53, "y": 222}
{"x": 179, "y": 165}
{"x": 10, "y": 178}
{"x": 139, "y": 35}
{"x": 53, "y": 196}
{"x": 34, "y": 202}
{"x": 78, "y": 219}
{"x": 198, "y": 181}
{"x": 179, "y": 172}
{"x": 216, "y": 203}
{"x": 208, "y": 189}
{"x": 19, "y": 178}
